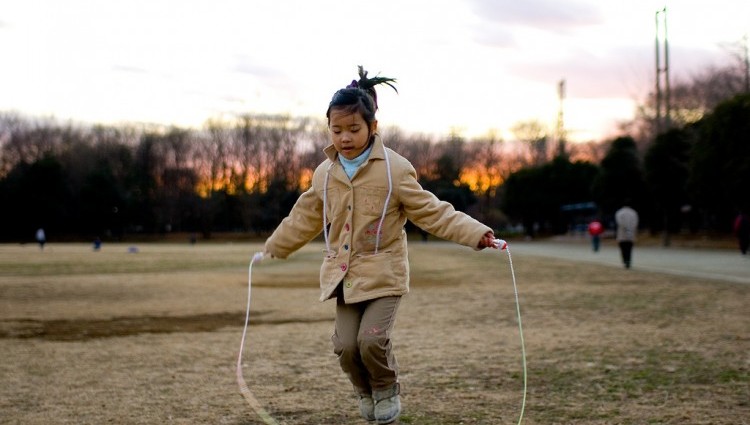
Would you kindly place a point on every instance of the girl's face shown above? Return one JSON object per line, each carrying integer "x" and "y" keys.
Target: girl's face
{"x": 350, "y": 133}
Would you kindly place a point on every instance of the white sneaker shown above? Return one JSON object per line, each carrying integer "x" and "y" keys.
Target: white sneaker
{"x": 387, "y": 405}
{"x": 367, "y": 408}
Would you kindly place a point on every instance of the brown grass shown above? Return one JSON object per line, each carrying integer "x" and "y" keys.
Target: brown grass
{"x": 147, "y": 338}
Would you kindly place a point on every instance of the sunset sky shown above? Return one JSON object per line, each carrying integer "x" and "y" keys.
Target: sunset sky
{"x": 468, "y": 65}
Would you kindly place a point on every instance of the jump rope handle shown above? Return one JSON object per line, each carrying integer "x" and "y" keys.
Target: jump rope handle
{"x": 258, "y": 257}
{"x": 500, "y": 244}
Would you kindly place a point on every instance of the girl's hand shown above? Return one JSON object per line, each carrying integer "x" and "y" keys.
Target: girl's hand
{"x": 260, "y": 256}
{"x": 487, "y": 241}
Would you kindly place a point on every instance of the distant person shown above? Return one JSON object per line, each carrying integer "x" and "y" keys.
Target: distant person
{"x": 41, "y": 238}
{"x": 97, "y": 244}
{"x": 742, "y": 231}
{"x": 627, "y": 227}
{"x": 361, "y": 197}
{"x": 595, "y": 230}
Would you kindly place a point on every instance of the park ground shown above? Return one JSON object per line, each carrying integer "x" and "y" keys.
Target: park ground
{"x": 152, "y": 337}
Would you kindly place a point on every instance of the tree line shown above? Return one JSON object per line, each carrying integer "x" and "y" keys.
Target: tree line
{"x": 243, "y": 175}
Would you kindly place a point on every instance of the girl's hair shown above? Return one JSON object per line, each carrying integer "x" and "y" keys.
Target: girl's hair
{"x": 359, "y": 96}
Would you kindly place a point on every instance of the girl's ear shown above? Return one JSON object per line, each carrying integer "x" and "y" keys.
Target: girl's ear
{"x": 373, "y": 127}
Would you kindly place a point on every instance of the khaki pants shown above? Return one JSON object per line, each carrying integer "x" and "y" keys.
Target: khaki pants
{"x": 362, "y": 341}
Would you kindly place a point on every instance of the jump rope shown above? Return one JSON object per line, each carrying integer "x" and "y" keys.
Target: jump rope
{"x": 269, "y": 420}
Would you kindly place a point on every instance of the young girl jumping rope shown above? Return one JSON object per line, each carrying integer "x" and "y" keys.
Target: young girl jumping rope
{"x": 360, "y": 198}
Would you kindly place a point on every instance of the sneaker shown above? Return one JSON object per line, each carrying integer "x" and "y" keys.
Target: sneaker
{"x": 367, "y": 408}
{"x": 387, "y": 405}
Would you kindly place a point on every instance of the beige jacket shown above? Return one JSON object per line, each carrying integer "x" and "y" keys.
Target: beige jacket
{"x": 354, "y": 209}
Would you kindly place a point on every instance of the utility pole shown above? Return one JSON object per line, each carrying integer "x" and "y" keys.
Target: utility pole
{"x": 662, "y": 73}
{"x": 561, "y": 151}
{"x": 747, "y": 65}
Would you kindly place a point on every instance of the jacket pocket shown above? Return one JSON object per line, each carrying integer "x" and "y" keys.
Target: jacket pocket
{"x": 369, "y": 200}
{"x": 332, "y": 201}
{"x": 330, "y": 272}
{"x": 377, "y": 272}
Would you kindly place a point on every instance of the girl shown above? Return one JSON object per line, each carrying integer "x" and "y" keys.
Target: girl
{"x": 360, "y": 198}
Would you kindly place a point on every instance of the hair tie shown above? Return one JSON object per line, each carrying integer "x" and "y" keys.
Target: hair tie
{"x": 353, "y": 85}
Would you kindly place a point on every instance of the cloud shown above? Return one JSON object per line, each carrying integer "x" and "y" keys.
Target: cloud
{"x": 265, "y": 77}
{"x": 246, "y": 65}
{"x": 622, "y": 72}
{"x": 495, "y": 36}
{"x": 129, "y": 69}
{"x": 549, "y": 15}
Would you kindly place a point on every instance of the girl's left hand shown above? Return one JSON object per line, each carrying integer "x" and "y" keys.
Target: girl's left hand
{"x": 487, "y": 241}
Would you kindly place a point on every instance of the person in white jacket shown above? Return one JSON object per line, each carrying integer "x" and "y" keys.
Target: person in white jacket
{"x": 626, "y": 219}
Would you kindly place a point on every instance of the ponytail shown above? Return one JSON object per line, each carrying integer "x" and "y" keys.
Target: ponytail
{"x": 360, "y": 95}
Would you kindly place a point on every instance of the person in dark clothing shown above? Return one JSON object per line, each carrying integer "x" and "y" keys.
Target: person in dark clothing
{"x": 742, "y": 231}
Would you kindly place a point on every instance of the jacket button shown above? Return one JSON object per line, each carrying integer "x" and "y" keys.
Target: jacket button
{"x": 346, "y": 227}
{"x": 346, "y": 247}
{"x": 343, "y": 267}
{"x": 349, "y": 284}
{"x": 349, "y": 207}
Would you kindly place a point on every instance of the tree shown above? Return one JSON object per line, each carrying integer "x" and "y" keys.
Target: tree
{"x": 485, "y": 174}
{"x": 620, "y": 177}
{"x": 666, "y": 167}
{"x": 691, "y": 99}
{"x": 447, "y": 186}
{"x": 534, "y": 134}
{"x": 34, "y": 195}
{"x": 720, "y": 162}
{"x": 421, "y": 150}
{"x": 535, "y": 195}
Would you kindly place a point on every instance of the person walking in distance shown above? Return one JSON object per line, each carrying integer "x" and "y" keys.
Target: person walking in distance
{"x": 741, "y": 229}
{"x": 41, "y": 238}
{"x": 595, "y": 230}
{"x": 626, "y": 219}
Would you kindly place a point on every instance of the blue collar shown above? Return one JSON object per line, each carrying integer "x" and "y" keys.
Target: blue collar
{"x": 351, "y": 165}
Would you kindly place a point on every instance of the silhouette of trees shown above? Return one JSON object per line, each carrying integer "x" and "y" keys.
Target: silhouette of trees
{"x": 691, "y": 99}
{"x": 621, "y": 177}
{"x": 720, "y": 162}
{"x": 536, "y": 195}
{"x": 244, "y": 174}
{"x": 667, "y": 170}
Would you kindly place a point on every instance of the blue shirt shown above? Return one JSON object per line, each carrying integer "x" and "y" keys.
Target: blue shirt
{"x": 351, "y": 165}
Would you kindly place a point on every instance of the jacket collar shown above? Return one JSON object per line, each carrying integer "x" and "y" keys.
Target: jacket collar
{"x": 378, "y": 149}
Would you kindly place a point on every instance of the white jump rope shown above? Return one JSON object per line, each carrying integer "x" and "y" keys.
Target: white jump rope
{"x": 268, "y": 420}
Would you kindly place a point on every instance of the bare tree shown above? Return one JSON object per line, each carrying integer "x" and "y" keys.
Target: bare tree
{"x": 211, "y": 159}
{"x": 592, "y": 152}
{"x": 691, "y": 99}
{"x": 486, "y": 164}
{"x": 249, "y": 153}
{"x": 25, "y": 141}
{"x": 486, "y": 170}
{"x": 533, "y": 134}
{"x": 419, "y": 149}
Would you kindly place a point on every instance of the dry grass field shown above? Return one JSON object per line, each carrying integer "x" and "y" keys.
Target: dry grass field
{"x": 152, "y": 338}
